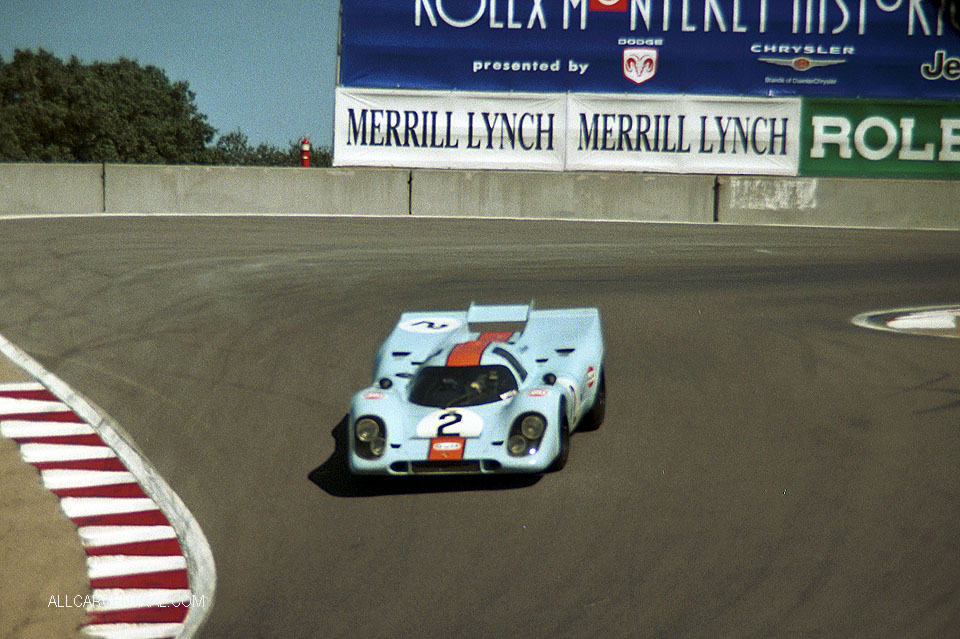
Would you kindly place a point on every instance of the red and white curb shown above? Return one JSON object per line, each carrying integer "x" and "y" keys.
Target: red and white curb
{"x": 150, "y": 567}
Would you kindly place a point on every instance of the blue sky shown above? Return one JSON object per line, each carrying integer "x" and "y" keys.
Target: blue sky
{"x": 265, "y": 66}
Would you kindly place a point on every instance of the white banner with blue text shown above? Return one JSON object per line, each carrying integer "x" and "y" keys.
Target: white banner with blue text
{"x": 575, "y": 131}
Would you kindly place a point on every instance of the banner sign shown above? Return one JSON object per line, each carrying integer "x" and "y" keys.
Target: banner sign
{"x": 449, "y": 130}
{"x": 821, "y": 48}
{"x": 683, "y": 134}
{"x": 880, "y": 138}
{"x": 593, "y": 132}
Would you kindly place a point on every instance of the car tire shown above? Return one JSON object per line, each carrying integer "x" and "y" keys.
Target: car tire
{"x": 593, "y": 419}
{"x": 564, "y": 453}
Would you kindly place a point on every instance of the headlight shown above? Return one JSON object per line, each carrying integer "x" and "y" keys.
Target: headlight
{"x": 377, "y": 446}
{"x": 517, "y": 445}
{"x": 367, "y": 430}
{"x": 525, "y": 434}
{"x": 532, "y": 427}
{"x": 370, "y": 438}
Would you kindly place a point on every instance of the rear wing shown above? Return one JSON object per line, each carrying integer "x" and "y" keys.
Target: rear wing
{"x": 492, "y": 314}
{"x": 419, "y": 336}
{"x": 564, "y": 330}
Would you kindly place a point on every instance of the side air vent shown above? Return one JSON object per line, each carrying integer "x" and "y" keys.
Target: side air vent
{"x": 565, "y": 351}
{"x": 400, "y": 353}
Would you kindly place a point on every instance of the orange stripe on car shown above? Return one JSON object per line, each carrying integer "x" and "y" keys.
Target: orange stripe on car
{"x": 468, "y": 353}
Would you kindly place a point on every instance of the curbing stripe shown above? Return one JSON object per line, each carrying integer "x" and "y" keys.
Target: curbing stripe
{"x": 134, "y": 631}
{"x": 148, "y": 563}
{"x": 156, "y": 548}
{"x": 145, "y": 518}
{"x": 165, "y": 579}
{"x": 22, "y": 429}
{"x": 11, "y": 405}
{"x": 100, "y": 566}
{"x": 96, "y": 536}
{"x": 77, "y": 507}
{"x": 131, "y": 489}
{"x": 168, "y": 614}
{"x": 130, "y": 598}
{"x": 62, "y": 479}
{"x": 40, "y": 453}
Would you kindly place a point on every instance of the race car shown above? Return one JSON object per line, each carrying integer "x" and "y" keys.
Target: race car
{"x": 493, "y": 389}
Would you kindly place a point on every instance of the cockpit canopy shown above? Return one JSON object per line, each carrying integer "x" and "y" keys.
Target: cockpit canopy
{"x": 449, "y": 386}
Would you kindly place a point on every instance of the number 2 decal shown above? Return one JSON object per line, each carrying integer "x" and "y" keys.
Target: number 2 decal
{"x": 430, "y": 325}
{"x": 453, "y": 417}
{"x": 450, "y": 423}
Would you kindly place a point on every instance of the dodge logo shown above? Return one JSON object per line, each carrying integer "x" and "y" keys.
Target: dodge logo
{"x": 639, "y": 65}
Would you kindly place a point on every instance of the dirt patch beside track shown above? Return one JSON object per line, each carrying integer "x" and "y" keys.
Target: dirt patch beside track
{"x": 44, "y": 581}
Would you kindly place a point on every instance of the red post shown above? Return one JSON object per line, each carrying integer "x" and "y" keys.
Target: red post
{"x": 305, "y": 153}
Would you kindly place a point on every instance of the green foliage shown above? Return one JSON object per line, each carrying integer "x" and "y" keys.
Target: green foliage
{"x": 234, "y": 148}
{"x": 116, "y": 112}
{"x": 51, "y": 111}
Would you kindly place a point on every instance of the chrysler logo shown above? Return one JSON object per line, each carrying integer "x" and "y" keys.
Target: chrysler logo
{"x": 801, "y": 63}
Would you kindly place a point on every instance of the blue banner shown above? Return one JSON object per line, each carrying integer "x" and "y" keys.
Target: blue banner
{"x": 823, "y": 48}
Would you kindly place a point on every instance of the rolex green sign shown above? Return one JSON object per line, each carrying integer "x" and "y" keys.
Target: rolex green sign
{"x": 880, "y": 138}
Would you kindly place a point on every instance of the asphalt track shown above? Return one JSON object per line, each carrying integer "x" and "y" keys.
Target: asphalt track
{"x": 766, "y": 468}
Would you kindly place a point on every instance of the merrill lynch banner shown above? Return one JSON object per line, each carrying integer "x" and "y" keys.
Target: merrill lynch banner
{"x": 449, "y": 130}
{"x": 460, "y": 130}
{"x": 815, "y": 48}
{"x": 683, "y": 134}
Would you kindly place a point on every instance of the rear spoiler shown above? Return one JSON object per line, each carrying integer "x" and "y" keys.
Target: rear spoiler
{"x": 499, "y": 313}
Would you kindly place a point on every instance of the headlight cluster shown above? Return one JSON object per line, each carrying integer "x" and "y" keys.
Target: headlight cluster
{"x": 370, "y": 437}
{"x": 526, "y": 433}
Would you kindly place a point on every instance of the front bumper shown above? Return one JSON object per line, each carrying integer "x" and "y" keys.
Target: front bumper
{"x": 480, "y": 458}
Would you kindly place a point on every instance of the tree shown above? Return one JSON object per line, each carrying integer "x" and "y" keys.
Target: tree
{"x": 103, "y": 112}
{"x": 115, "y": 112}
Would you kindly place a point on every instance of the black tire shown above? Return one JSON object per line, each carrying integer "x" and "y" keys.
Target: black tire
{"x": 564, "y": 453}
{"x": 593, "y": 419}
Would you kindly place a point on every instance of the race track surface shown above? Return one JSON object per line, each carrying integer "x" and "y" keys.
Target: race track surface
{"x": 766, "y": 469}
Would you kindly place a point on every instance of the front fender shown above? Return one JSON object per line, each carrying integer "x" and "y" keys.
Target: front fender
{"x": 385, "y": 404}
{"x": 550, "y": 401}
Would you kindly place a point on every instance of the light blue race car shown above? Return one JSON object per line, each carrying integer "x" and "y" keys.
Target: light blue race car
{"x": 494, "y": 389}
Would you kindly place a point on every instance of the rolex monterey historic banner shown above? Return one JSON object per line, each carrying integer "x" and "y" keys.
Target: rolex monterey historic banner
{"x": 699, "y": 86}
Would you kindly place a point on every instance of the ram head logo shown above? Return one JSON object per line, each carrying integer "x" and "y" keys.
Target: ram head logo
{"x": 639, "y": 65}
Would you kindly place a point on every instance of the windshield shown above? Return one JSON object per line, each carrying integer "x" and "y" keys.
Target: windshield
{"x": 446, "y": 386}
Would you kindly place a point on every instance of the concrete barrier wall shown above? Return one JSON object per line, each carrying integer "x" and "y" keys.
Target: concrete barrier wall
{"x": 201, "y": 189}
{"x": 928, "y": 204}
{"x": 609, "y": 196}
{"x": 30, "y": 189}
